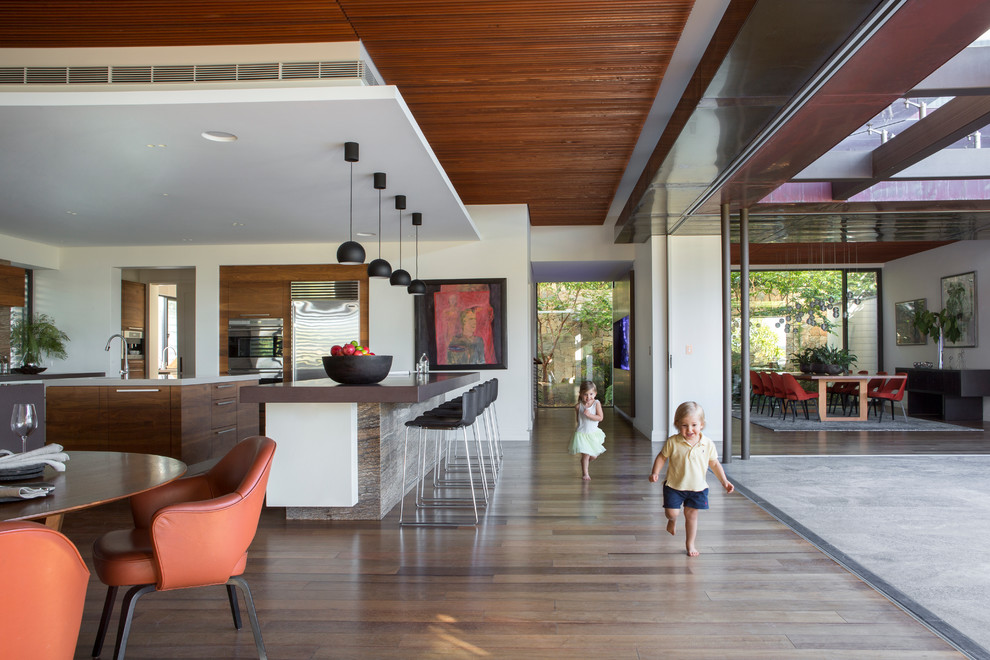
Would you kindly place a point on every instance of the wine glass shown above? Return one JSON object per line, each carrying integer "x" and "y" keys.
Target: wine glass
{"x": 23, "y": 420}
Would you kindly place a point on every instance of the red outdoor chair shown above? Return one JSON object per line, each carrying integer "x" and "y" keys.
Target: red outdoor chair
{"x": 797, "y": 394}
{"x": 892, "y": 390}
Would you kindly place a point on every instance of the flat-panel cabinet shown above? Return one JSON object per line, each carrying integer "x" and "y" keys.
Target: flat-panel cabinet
{"x": 193, "y": 422}
{"x": 76, "y": 418}
{"x": 139, "y": 420}
{"x": 132, "y": 305}
{"x": 254, "y": 300}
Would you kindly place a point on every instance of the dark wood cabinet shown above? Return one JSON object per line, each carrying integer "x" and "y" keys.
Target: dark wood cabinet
{"x": 949, "y": 394}
{"x": 76, "y": 417}
{"x": 139, "y": 420}
{"x": 133, "y": 306}
{"x": 11, "y": 286}
{"x": 257, "y": 300}
{"x": 193, "y": 422}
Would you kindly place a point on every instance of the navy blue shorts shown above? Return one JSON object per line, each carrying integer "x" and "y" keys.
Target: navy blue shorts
{"x": 673, "y": 499}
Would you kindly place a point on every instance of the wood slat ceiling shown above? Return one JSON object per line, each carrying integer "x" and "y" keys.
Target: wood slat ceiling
{"x": 523, "y": 102}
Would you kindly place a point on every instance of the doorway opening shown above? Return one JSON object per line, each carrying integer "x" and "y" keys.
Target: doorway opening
{"x": 575, "y": 341}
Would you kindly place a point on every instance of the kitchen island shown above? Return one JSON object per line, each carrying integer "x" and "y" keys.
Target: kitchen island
{"x": 339, "y": 454}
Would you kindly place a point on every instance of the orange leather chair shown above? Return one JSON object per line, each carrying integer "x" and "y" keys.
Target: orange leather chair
{"x": 892, "y": 390}
{"x": 191, "y": 532}
{"x": 43, "y": 581}
{"x": 797, "y": 394}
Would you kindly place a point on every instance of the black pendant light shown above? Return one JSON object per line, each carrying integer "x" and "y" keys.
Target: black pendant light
{"x": 350, "y": 252}
{"x": 379, "y": 267}
{"x": 400, "y": 277}
{"x": 417, "y": 287}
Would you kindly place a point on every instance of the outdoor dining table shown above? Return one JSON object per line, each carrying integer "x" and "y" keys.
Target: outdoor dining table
{"x": 862, "y": 379}
{"x": 91, "y": 478}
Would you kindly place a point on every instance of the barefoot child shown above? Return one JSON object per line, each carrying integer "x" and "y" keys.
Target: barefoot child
{"x": 690, "y": 454}
{"x": 588, "y": 440}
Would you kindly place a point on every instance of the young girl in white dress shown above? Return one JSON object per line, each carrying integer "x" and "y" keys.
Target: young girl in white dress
{"x": 588, "y": 440}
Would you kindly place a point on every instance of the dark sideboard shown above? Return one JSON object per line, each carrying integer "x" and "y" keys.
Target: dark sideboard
{"x": 949, "y": 394}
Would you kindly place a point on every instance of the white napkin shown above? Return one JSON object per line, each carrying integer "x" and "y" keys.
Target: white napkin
{"x": 24, "y": 492}
{"x": 49, "y": 455}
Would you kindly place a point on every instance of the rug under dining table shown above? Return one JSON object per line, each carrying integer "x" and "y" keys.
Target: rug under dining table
{"x": 899, "y": 424}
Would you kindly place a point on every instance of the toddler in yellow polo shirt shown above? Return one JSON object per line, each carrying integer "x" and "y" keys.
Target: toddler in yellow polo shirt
{"x": 688, "y": 455}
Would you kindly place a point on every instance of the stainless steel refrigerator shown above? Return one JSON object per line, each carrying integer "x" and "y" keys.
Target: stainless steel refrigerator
{"x": 316, "y": 326}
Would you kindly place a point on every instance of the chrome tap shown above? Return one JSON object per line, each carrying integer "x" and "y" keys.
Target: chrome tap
{"x": 123, "y": 353}
{"x": 164, "y": 360}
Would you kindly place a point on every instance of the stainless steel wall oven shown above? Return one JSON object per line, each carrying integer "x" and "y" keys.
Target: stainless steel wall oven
{"x": 254, "y": 346}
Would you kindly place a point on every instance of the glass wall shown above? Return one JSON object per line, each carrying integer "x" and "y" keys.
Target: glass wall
{"x": 793, "y": 310}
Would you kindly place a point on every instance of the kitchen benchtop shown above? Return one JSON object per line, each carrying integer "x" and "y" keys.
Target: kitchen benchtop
{"x": 43, "y": 376}
{"x": 394, "y": 389}
{"x": 108, "y": 381}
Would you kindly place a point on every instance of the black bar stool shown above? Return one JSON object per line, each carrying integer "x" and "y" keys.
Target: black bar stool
{"x": 425, "y": 423}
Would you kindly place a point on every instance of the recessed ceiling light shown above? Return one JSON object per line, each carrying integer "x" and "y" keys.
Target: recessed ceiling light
{"x": 219, "y": 136}
{"x": 365, "y": 234}
{"x": 237, "y": 224}
{"x": 71, "y": 212}
{"x": 155, "y": 146}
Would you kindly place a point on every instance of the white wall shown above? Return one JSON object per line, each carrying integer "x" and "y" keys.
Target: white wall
{"x": 83, "y": 295}
{"x": 695, "y": 326}
{"x": 919, "y": 276}
{"x": 650, "y": 338}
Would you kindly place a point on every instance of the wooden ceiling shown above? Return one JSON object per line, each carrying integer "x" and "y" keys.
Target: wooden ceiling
{"x": 523, "y": 102}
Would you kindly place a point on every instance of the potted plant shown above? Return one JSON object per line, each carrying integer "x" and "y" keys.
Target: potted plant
{"x": 804, "y": 358}
{"x": 939, "y": 325}
{"x": 836, "y": 360}
{"x": 35, "y": 340}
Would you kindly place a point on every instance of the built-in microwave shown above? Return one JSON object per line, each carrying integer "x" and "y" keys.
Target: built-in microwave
{"x": 254, "y": 346}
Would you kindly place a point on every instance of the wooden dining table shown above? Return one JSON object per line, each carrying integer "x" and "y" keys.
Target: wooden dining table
{"x": 91, "y": 478}
{"x": 861, "y": 379}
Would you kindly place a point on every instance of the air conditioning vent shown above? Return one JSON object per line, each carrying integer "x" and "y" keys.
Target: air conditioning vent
{"x": 60, "y": 75}
{"x": 81, "y": 75}
{"x": 338, "y": 290}
{"x": 130, "y": 74}
{"x": 171, "y": 74}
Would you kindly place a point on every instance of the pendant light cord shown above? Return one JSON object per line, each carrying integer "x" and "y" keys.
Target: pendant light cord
{"x": 417, "y": 253}
{"x": 351, "y": 224}
{"x": 400, "y": 238}
{"x": 379, "y": 223}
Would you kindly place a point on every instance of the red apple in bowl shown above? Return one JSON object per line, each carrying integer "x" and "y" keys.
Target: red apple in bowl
{"x": 348, "y": 349}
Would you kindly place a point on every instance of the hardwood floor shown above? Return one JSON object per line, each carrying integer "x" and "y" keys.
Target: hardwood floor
{"x": 558, "y": 568}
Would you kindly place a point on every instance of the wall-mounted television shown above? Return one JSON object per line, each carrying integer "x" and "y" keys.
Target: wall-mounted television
{"x": 620, "y": 344}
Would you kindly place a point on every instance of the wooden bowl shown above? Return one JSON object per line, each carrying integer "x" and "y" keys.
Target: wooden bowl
{"x": 357, "y": 369}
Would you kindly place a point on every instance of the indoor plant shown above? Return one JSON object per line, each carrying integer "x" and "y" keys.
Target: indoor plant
{"x": 804, "y": 358}
{"x": 939, "y": 326}
{"x": 34, "y": 340}
{"x": 836, "y": 360}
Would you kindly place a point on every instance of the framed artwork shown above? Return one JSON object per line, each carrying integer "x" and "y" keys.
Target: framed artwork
{"x": 907, "y": 334}
{"x": 959, "y": 296}
{"x": 460, "y": 324}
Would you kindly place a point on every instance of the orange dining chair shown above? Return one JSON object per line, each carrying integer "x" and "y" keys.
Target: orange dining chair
{"x": 756, "y": 393}
{"x": 892, "y": 390}
{"x": 779, "y": 392}
{"x": 768, "y": 395}
{"x": 797, "y": 394}
{"x": 43, "y": 584}
{"x": 191, "y": 532}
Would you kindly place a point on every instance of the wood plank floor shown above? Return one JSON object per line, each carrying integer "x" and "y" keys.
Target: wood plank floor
{"x": 558, "y": 568}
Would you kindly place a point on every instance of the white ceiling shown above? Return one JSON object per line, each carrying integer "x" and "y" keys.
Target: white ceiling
{"x": 76, "y": 168}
